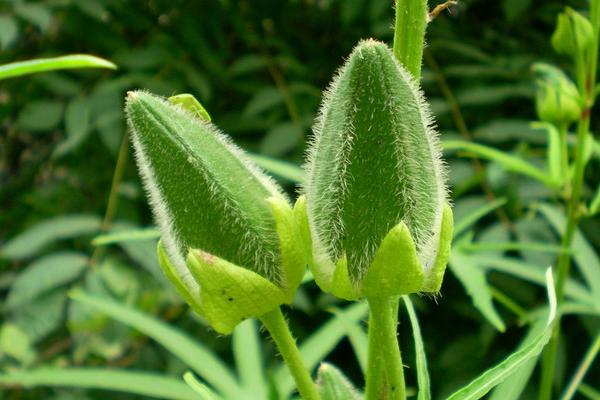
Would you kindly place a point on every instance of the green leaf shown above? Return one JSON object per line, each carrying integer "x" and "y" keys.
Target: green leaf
{"x": 193, "y": 354}
{"x": 279, "y": 168}
{"x": 35, "y": 238}
{"x": 509, "y": 162}
{"x": 43, "y": 275}
{"x": 248, "y": 360}
{"x": 320, "y": 343}
{"x": 8, "y": 30}
{"x": 77, "y": 126}
{"x": 50, "y": 64}
{"x": 203, "y": 391}
{"x": 585, "y": 257}
{"x": 473, "y": 279}
{"x": 531, "y": 273}
{"x": 36, "y": 13}
{"x": 513, "y": 386}
{"x": 464, "y": 222}
{"x": 281, "y": 139}
{"x": 481, "y": 385}
{"x": 190, "y": 103}
{"x": 14, "y": 342}
{"x": 422, "y": 371}
{"x": 333, "y": 385}
{"x": 139, "y": 383}
{"x": 126, "y": 236}
{"x": 41, "y": 316}
{"x": 40, "y": 115}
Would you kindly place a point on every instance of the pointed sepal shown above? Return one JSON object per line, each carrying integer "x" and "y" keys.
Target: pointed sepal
{"x": 186, "y": 291}
{"x": 435, "y": 276}
{"x": 333, "y": 385}
{"x": 294, "y": 256}
{"x": 396, "y": 269}
{"x": 228, "y": 293}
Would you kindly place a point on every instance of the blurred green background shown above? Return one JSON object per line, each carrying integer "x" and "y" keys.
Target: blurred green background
{"x": 259, "y": 68}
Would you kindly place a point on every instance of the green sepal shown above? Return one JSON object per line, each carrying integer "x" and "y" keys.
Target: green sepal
{"x": 435, "y": 276}
{"x": 396, "y": 269}
{"x": 341, "y": 285}
{"x": 229, "y": 294}
{"x": 333, "y": 385}
{"x": 192, "y": 299}
{"x": 293, "y": 249}
{"x": 190, "y": 103}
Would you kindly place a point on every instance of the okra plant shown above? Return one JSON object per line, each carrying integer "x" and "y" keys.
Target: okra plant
{"x": 373, "y": 221}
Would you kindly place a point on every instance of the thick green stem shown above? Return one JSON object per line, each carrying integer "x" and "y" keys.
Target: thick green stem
{"x": 385, "y": 373}
{"x": 586, "y": 87}
{"x": 280, "y": 332}
{"x": 409, "y": 34}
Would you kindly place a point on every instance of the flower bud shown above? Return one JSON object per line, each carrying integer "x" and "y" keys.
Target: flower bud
{"x": 573, "y": 35}
{"x": 376, "y": 196}
{"x": 557, "y": 98}
{"x": 216, "y": 210}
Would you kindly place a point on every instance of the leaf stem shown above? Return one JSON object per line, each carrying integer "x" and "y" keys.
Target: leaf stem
{"x": 280, "y": 332}
{"x": 587, "y": 84}
{"x": 385, "y": 373}
{"x": 409, "y": 34}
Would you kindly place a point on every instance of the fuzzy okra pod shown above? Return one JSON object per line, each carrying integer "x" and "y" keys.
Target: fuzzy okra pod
{"x": 376, "y": 195}
{"x": 230, "y": 241}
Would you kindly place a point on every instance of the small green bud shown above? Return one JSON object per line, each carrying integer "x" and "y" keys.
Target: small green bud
{"x": 206, "y": 195}
{"x": 375, "y": 191}
{"x": 333, "y": 385}
{"x": 574, "y": 34}
{"x": 557, "y": 98}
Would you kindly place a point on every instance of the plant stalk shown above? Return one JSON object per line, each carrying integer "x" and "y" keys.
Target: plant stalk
{"x": 409, "y": 34}
{"x": 587, "y": 85}
{"x": 385, "y": 373}
{"x": 279, "y": 330}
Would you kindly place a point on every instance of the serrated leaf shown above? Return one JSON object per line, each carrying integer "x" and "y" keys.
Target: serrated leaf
{"x": 473, "y": 279}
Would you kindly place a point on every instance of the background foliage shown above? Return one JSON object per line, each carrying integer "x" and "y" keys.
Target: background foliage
{"x": 259, "y": 68}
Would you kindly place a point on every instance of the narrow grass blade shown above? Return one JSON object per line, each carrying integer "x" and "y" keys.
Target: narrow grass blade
{"x": 134, "y": 382}
{"x": 282, "y": 169}
{"x": 480, "y": 386}
{"x": 509, "y": 162}
{"x": 248, "y": 360}
{"x": 421, "y": 358}
{"x": 126, "y": 236}
{"x": 319, "y": 344}
{"x": 50, "y": 64}
{"x": 200, "y": 359}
